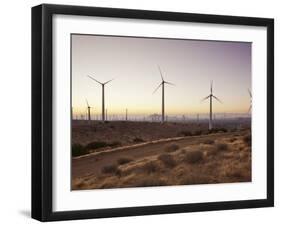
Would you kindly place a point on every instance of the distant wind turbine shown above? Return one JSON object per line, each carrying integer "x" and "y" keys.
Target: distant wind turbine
{"x": 89, "y": 110}
{"x": 250, "y": 94}
{"x": 211, "y": 96}
{"x": 163, "y": 94}
{"x": 102, "y": 85}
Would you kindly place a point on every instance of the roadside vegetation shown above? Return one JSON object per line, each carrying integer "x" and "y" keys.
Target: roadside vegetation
{"x": 223, "y": 160}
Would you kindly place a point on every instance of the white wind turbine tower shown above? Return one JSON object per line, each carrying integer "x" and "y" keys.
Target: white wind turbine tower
{"x": 89, "y": 110}
{"x": 102, "y": 85}
{"x": 163, "y": 94}
{"x": 250, "y": 94}
{"x": 211, "y": 96}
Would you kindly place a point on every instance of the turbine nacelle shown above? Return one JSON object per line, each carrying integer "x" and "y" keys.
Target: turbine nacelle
{"x": 163, "y": 81}
{"x": 101, "y": 83}
{"x": 88, "y": 104}
{"x": 211, "y": 94}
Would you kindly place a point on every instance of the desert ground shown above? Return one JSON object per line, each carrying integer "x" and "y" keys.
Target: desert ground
{"x": 139, "y": 154}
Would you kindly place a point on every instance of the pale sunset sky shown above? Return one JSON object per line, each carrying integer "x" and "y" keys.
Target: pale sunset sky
{"x": 133, "y": 64}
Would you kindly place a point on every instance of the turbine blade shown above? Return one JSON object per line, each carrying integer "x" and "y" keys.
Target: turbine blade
{"x": 211, "y": 86}
{"x": 157, "y": 88}
{"x": 217, "y": 99}
{"x": 108, "y": 81}
{"x": 87, "y": 103}
{"x": 160, "y": 73}
{"x": 250, "y": 93}
{"x": 94, "y": 79}
{"x": 250, "y": 108}
{"x": 169, "y": 83}
{"x": 205, "y": 98}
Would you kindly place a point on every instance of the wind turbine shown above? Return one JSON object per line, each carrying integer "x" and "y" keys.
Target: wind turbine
{"x": 89, "y": 110}
{"x": 211, "y": 96}
{"x": 250, "y": 94}
{"x": 163, "y": 94}
{"x": 102, "y": 85}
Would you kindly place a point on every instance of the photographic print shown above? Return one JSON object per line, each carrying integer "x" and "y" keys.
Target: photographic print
{"x": 159, "y": 112}
{"x": 139, "y": 112}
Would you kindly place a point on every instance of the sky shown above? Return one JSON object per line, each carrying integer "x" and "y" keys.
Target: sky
{"x": 133, "y": 64}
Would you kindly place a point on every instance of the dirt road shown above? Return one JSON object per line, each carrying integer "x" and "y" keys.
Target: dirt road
{"x": 93, "y": 164}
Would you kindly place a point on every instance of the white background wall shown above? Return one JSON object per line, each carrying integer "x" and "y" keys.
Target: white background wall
{"x": 15, "y": 114}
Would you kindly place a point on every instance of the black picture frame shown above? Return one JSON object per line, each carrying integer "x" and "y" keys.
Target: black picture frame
{"x": 42, "y": 111}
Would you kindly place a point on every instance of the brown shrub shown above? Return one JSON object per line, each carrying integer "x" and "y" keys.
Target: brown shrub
{"x": 78, "y": 149}
{"x": 247, "y": 139}
{"x": 150, "y": 167}
{"x": 112, "y": 169}
{"x": 171, "y": 147}
{"x": 124, "y": 160}
{"x": 101, "y": 144}
{"x": 185, "y": 133}
{"x": 233, "y": 139}
{"x": 138, "y": 140}
{"x": 221, "y": 147}
{"x": 168, "y": 160}
{"x": 195, "y": 156}
{"x": 197, "y": 133}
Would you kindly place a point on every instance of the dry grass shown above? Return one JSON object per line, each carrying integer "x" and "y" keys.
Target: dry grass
{"x": 227, "y": 160}
{"x": 151, "y": 180}
{"x": 239, "y": 171}
{"x": 195, "y": 178}
{"x": 150, "y": 167}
